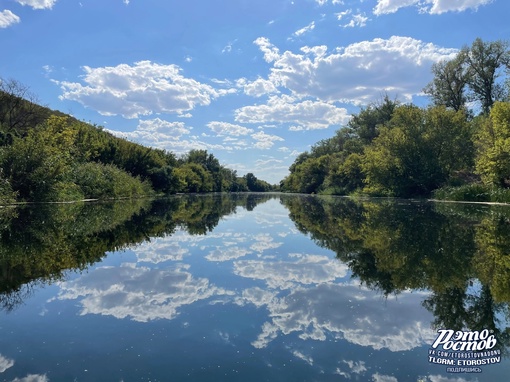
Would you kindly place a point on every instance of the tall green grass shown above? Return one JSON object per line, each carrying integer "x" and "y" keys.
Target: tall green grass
{"x": 473, "y": 193}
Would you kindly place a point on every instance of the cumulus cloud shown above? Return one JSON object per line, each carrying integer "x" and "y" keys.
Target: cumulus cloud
{"x": 257, "y": 88}
{"x": 5, "y": 363}
{"x": 7, "y": 18}
{"x": 392, "y": 6}
{"x": 271, "y": 52}
{"x": 141, "y": 89}
{"x": 169, "y": 136}
{"x": 344, "y": 311}
{"x": 358, "y": 74}
{"x": 308, "y": 114}
{"x": 139, "y": 293}
{"x": 228, "y": 129}
{"x": 227, "y": 254}
{"x": 155, "y": 132}
{"x": 160, "y": 250}
{"x": 304, "y": 269}
{"x": 38, "y": 4}
{"x": 265, "y": 141}
{"x": 429, "y": 6}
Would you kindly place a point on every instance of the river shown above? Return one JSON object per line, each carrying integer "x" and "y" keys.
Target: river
{"x": 255, "y": 287}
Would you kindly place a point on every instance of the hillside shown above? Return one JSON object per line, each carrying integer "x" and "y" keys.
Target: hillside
{"x": 46, "y": 155}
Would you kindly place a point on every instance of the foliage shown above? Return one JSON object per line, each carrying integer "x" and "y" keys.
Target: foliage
{"x": 37, "y": 164}
{"x": 417, "y": 152}
{"x": 472, "y": 75}
{"x": 99, "y": 181}
{"x": 485, "y": 60}
{"x": 493, "y": 155}
{"x": 38, "y": 244}
{"x": 368, "y": 122}
{"x": 393, "y": 246}
{"x": 19, "y": 110}
{"x": 193, "y": 177}
{"x": 448, "y": 88}
{"x": 48, "y": 156}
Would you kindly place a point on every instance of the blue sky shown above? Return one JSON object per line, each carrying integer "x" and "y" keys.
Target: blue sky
{"x": 254, "y": 82}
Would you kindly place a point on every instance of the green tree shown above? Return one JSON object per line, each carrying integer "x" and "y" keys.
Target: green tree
{"x": 37, "y": 165}
{"x": 485, "y": 62}
{"x": 194, "y": 178}
{"x": 417, "y": 152}
{"x": 493, "y": 146}
{"x": 448, "y": 88}
{"x": 368, "y": 122}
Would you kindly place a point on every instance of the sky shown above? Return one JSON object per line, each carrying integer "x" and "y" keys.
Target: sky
{"x": 253, "y": 82}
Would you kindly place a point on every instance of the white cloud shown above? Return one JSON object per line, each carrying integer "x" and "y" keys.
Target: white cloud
{"x": 7, "y": 18}
{"x": 168, "y": 136}
{"x": 309, "y": 269}
{"x": 228, "y": 129}
{"x": 159, "y": 250}
{"x": 341, "y": 15}
{"x": 383, "y": 378}
{"x": 257, "y": 88}
{"x": 265, "y": 141}
{"x": 155, "y": 132}
{"x": 139, "y": 293}
{"x": 327, "y": 310}
{"x": 227, "y": 254}
{"x": 442, "y": 6}
{"x": 142, "y": 89}
{"x": 5, "y": 363}
{"x": 392, "y": 6}
{"x": 271, "y": 52}
{"x": 303, "y": 30}
{"x": 359, "y": 73}
{"x": 358, "y": 20}
{"x": 301, "y": 356}
{"x": 429, "y": 6}
{"x": 38, "y": 4}
{"x": 308, "y": 114}
{"x": 33, "y": 378}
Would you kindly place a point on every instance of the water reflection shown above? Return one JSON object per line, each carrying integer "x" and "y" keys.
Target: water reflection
{"x": 249, "y": 287}
{"x": 38, "y": 244}
{"x": 461, "y": 253}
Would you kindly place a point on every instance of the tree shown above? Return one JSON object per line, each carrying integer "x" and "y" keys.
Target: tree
{"x": 367, "y": 123}
{"x": 484, "y": 62}
{"x": 417, "y": 152}
{"x": 194, "y": 178}
{"x": 19, "y": 110}
{"x": 37, "y": 165}
{"x": 493, "y": 151}
{"x": 345, "y": 176}
{"x": 448, "y": 88}
{"x": 256, "y": 185}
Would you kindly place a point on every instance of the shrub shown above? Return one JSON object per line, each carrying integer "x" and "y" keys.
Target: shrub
{"x": 100, "y": 181}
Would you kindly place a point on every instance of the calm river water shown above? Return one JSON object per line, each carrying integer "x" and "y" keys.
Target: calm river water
{"x": 255, "y": 287}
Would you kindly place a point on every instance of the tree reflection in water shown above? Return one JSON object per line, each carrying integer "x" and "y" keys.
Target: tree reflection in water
{"x": 39, "y": 243}
{"x": 459, "y": 253}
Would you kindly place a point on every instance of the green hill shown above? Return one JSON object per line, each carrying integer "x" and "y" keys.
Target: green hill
{"x": 46, "y": 155}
